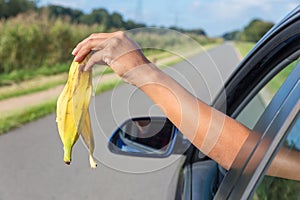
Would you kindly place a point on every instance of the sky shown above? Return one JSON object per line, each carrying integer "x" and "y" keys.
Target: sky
{"x": 215, "y": 17}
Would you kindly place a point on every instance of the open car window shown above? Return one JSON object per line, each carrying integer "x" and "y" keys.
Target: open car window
{"x": 262, "y": 145}
{"x": 275, "y": 187}
{"x": 254, "y": 109}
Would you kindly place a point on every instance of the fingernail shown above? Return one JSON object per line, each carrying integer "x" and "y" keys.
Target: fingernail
{"x": 76, "y": 59}
{"x": 74, "y": 52}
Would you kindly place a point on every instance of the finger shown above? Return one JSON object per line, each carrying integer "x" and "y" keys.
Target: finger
{"x": 96, "y": 58}
{"x": 92, "y": 36}
{"x": 79, "y": 45}
{"x": 88, "y": 46}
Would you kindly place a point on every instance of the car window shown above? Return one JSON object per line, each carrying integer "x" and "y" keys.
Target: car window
{"x": 254, "y": 109}
{"x": 279, "y": 188}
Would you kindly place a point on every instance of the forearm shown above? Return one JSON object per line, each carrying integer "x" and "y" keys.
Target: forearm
{"x": 286, "y": 164}
{"x": 215, "y": 134}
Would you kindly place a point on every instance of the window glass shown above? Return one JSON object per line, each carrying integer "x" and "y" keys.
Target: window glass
{"x": 254, "y": 109}
{"x": 278, "y": 188}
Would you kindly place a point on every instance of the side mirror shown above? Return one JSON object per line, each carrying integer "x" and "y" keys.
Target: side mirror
{"x": 148, "y": 137}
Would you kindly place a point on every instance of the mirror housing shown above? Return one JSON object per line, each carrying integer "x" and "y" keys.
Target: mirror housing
{"x": 148, "y": 137}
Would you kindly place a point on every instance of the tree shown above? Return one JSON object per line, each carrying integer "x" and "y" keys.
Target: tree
{"x": 251, "y": 33}
{"x": 1, "y": 8}
{"x": 255, "y": 30}
{"x": 234, "y": 35}
{"x": 98, "y": 16}
{"x": 116, "y": 20}
{"x": 9, "y": 8}
{"x": 60, "y": 11}
{"x": 131, "y": 25}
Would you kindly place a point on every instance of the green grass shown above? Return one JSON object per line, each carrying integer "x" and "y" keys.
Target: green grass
{"x": 41, "y": 83}
{"x": 278, "y": 80}
{"x": 17, "y": 84}
{"x": 20, "y": 90}
{"x": 107, "y": 86}
{"x": 156, "y": 53}
{"x": 244, "y": 47}
{"x": 18, "y": 76}
{"x": 15, "y": 119}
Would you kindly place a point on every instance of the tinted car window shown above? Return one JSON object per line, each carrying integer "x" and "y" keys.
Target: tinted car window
{"x": 279, "y": 188}
{"x": 251, "y": 113}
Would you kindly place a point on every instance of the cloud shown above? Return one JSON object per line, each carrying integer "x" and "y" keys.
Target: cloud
{"x": 219, "y": 16}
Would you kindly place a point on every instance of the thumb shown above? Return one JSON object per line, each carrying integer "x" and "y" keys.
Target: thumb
{"x": 96, "y": 58}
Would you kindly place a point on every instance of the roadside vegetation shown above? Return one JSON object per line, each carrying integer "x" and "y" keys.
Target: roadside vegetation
{"x": 244, "y": 47}
{"x": 38, "y": 41}
{"x": 251, "y": 32}
{"x": 36, "y": 45}
{"x": 17, "y": 118}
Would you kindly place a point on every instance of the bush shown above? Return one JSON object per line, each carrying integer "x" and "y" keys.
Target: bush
{"x": 31, "y": 40}
{"x": 33, "y": 43}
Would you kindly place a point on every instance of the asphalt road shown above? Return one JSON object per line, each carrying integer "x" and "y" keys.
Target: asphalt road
{"x": 31, "y": 157}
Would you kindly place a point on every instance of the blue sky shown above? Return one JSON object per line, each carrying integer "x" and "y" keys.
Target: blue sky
{"x": 214, "y": 16}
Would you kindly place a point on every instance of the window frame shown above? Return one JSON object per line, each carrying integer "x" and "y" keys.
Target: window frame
{"x": 264, "y": 141}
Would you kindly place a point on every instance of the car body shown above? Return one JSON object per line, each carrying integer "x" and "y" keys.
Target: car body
{"x": 274, "y": 124}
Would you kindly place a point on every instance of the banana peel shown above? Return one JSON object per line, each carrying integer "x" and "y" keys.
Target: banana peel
{"x": 72, "y": 113}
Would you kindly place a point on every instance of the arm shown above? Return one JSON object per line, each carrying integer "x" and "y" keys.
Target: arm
{"x": 208, "y": 129}
{"x": 286, "y": 164}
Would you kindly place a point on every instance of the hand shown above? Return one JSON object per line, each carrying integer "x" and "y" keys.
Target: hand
{"x": 114, "y": 49}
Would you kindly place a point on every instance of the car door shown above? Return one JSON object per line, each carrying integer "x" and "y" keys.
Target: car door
{"x": 278, "y": 127}
{"x": 204, "y": 175}
{"x": 244, "y": 96}
{"x": 275, "y": 54}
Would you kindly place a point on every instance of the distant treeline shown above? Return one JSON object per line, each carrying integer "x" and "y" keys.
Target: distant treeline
{"x": 11, "y": 8}
{"x": 36, "y": 38}
{"x": 251, "y": 33}
{"x": 100, "y": 16}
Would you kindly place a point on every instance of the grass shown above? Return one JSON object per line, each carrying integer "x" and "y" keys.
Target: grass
{"x": 107, "y": 86}
{"x": 15, "y": 119}
{"x": 15, "y": 87}
{"x": 34, "y": 85}
{"x": 24, "y": 82}
{"x": 156, "y": 54}
{"x": 41, "y": 83}
{"x": 244, "y": 47}
{"x": 278, "y": 80}
{"x": 20, "y": 75}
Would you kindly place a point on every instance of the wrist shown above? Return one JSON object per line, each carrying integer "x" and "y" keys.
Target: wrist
{"x": 142, "y": 75}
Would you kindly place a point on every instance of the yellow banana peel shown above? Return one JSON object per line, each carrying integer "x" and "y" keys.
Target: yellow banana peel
{"x": 72, "y": 113}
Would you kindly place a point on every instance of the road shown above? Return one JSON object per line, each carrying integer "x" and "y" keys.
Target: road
{"x": 31, "y": 157}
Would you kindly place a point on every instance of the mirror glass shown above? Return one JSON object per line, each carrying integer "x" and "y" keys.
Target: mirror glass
{"x": 145, "y": 136}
